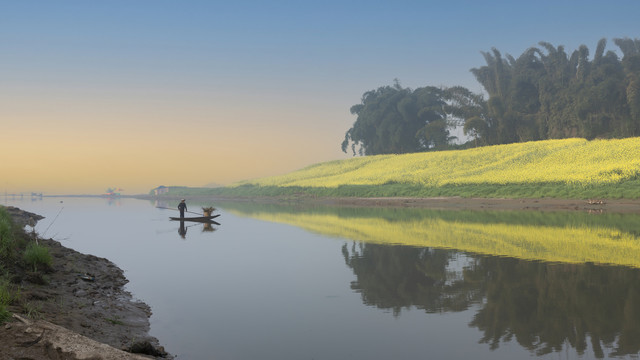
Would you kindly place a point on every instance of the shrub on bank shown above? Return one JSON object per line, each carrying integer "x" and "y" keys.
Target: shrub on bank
{"x": 37, "y": 255}
{"x": 14, "y": 254}
{"x": 7, "y": 242}
{"x": 4, "y": 314}
{"x": 6, "y": 298}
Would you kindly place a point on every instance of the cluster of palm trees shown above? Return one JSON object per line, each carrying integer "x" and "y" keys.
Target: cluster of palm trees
{"x": 547, "y": 93}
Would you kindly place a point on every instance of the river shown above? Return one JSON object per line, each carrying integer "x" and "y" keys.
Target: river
{"x": 314, "y": 282}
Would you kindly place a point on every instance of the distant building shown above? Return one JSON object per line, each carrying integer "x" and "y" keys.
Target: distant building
{"x": 112, "y": 192}
{"x": 160, "y": 190}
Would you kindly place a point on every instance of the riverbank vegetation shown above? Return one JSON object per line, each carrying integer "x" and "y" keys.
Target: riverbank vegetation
{"x": 545, "y": 93}
{"x": 569, "y": 168}
{"x": 18, "y": 253}
{"x": 540, "y": 133}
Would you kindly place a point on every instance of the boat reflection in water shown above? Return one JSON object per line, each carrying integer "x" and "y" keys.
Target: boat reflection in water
{"x": 207, "y": 225}
{"x": 549, "y": 282}
{"x": 206, "y": 219}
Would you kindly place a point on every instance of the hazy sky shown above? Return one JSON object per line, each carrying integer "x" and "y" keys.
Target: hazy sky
{"x": 141, "y": 93}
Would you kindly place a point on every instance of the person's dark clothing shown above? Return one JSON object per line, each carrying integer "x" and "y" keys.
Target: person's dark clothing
{"x": 182, "y": 207}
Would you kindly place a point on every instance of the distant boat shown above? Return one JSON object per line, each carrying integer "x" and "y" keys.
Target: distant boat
{"x": 197, "y": 218}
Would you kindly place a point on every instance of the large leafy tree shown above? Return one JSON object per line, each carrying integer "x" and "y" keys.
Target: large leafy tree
{"x": 545, "y": 93}
{"x": 469, "y": 110}
{"x": 395, "y": 120}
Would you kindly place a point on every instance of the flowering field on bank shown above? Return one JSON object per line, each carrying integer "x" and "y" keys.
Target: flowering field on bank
{"x": 568, "y": 161}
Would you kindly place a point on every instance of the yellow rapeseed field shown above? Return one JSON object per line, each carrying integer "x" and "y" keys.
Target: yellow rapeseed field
{"x": 569, "y": 161}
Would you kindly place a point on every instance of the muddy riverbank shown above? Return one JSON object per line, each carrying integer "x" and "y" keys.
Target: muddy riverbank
{"x": 441, "y": 203}
{"x": 72, "y": 309}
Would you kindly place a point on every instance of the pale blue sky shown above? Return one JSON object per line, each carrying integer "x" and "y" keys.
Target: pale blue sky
{"x": 200, "y": 43}
{"x": 287, "y": 69}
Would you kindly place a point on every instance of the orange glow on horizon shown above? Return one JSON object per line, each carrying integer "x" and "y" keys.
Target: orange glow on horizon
{"x": 55, "y": 160}
{"x": 64, "y": 139}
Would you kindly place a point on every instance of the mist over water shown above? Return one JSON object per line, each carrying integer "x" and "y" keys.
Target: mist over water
{"x": 278, "y": 282}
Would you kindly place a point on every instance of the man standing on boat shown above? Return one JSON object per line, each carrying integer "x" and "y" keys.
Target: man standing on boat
{"x": 182, "y": 207}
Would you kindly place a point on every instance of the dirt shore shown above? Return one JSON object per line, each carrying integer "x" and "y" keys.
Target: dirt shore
{"x": 77, "y": 309}
{"x": 447, "y": 203}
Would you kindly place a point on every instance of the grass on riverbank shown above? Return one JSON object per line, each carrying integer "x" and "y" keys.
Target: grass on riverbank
{"x": 629, "y": 189}
{"x": 569, "y": 168}
{"x": 16, "y": 250}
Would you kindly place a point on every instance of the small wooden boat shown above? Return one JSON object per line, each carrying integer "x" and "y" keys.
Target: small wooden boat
{"x": 197, "y": 218}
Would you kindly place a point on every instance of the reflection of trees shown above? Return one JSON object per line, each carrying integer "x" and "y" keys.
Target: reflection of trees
{"x": 541, "y": 306}
{"x": 547, "y": 306}
{"x": 393, "y": 277}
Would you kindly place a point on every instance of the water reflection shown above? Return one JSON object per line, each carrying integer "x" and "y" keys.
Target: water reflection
{"x": 204, "y": 225}
{"x": 543, "y": 292}
{"x": 543, "y": 307}
{"x": 396, "y": 277}
{"x": 208, "y": 226}
{"x": 182, "y": 231}
{"x": 547, "y": 306}
{"x": 204, "y": 221}
{"x": 568, "y": 237}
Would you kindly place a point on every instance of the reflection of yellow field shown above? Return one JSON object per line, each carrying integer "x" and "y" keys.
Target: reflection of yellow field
{"x": 570, "y": 161}
{"x": 553, "y": 244}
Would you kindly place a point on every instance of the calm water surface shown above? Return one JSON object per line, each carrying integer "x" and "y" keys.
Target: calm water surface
{"x": 275, "y": 282}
